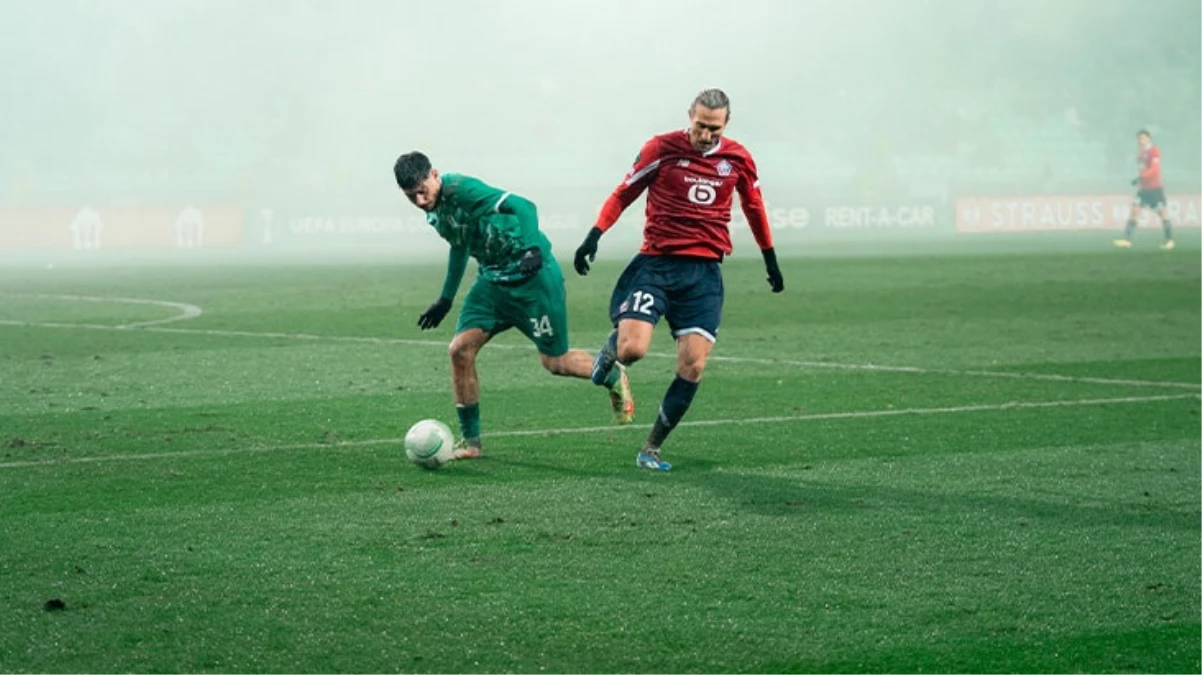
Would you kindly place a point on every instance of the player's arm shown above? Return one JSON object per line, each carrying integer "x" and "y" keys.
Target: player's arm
{"x": 516, "y": 221}
{"x": 752, "y": 203}
{"x": 636, "y": 180}
{"x": 437, "y": 311}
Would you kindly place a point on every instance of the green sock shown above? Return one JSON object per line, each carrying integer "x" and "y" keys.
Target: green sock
{"x": 469, "y": 420}
{"x": 611, "y": 380}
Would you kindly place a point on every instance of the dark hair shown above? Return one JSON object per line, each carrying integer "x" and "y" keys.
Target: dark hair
{"x": 1143, "y": 132}
{"x": 411, "y": 169}
{"x": 714, "y": 99}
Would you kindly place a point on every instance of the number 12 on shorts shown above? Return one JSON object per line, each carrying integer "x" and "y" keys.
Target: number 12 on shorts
{"x": 541, "y": 326}
{"x": 643, "y": 302}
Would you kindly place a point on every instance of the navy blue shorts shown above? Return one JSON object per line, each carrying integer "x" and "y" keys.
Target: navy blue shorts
{"x": 686, "y": 291}
{"x": 1152, "y": 198}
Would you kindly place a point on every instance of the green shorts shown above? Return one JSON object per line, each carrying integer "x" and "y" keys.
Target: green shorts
{"x": 538, "y": 307}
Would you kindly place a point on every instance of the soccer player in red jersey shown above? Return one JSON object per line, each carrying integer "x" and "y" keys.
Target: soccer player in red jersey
{"x": 1151, "y": 192}
{"x": 691, "y": 177}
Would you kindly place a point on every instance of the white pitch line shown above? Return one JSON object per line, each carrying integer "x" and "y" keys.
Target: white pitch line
{"x": 189, "y": 311}
{"x": 1050, "y": 377}
{"x": 186, "y": 310}
{"x": 861, "y": 414}
{"x": 870, "y": 367}
{"x": 948, "y": 410}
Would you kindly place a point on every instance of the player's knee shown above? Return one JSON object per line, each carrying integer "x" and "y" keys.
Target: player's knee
{"x": 631, "y": 350}
{"x": 691, "y": 369}
{"x": 691, "y": 359}
{"x": 462, "y": 353}
{"x": 556, "y": 365}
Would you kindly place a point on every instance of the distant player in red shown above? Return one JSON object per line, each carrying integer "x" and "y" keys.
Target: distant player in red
{"x": 691, "y": 177}
{"x": 1151, "y": 192}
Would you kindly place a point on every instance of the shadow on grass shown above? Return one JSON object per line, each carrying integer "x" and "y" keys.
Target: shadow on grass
{"x": 763, "y": 494}
{"x": 789, "y": 497}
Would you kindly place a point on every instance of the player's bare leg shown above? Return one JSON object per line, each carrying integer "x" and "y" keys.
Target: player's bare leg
{"x": 625, "y": 345}
{"x": 466, "y": 385}
{"x": 692, "y": 353}
{"x": 633, "y": 340}
{"x": 579, "y": 363}
{"x": 1167, "y": 244}
{"x": 1132, "y": 218}
{"x": 573, "y": 363}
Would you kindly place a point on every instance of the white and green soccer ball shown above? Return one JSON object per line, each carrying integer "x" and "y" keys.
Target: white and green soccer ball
{"x": 429, "y": 444}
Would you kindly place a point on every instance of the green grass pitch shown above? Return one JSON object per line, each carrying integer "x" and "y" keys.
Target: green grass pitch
{"x": 979, "y": 461}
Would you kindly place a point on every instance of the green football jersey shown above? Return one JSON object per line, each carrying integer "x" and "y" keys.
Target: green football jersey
{"x": 493, "y": 226}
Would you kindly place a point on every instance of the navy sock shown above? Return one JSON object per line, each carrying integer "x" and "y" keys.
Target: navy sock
{"x": 1130, "y": 228}
{"x": 676, "y": 403}
{"x": 1168, "y": 230}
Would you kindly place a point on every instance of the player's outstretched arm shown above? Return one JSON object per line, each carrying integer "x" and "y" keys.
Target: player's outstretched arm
{"x": 434, "y": 314}
{"x": 587, "y": 252}
{"x": 757, "y": 219}
{"x": 640, "y": 175}
{"x": 437, "y": 311}
{"x": 775, "y": 279}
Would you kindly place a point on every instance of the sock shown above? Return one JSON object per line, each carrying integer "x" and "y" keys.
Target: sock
{"x": 1168, "y": 230}
{"x": 611, "y": 380}
{"x": 469, "y": 420}
{"x": 611, "y": 377}
{"x": 1130, "y": 228}
{"x": 676, "y": 403}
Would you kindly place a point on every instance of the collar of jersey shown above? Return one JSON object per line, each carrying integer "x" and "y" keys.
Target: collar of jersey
{"x": 709, "y": 152}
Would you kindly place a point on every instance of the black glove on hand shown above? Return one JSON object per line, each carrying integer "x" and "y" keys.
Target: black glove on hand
{"x": 1135, "y": 181}
{"x": 434, "y": 314}
{"x": 587, "y": 251}
{"x": 775, "y": 280}
{"x": 531, "y": 262}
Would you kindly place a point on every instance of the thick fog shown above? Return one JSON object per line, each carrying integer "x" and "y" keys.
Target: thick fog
{"x": 275, "y": 123}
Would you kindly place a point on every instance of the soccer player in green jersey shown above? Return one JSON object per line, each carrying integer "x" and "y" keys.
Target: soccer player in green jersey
{"x": 519, "y": 285}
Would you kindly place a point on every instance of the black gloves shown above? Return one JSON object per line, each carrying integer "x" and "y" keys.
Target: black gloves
{"x": 1135, "y": 181}
{"x": 775, "y": 280}
{"x": 587, "y": 251}
{"x": 531, "y": 262}
{"x": 434, "y": 314}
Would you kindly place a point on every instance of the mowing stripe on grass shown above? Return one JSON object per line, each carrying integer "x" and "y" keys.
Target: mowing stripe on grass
{"x": 859, "y": 414}
{"x": 192, "y": 311}
{"x": 870, "y": 367}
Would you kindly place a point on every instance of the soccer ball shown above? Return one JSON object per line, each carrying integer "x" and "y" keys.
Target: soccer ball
{"x": 429, "y": 444}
